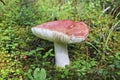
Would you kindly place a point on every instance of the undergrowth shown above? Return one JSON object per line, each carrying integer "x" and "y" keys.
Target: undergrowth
{"x": 23, "y": 55}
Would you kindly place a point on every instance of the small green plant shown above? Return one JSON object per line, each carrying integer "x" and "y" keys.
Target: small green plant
{"x": 10, "y": 67}
{"x": 37, "y": 74}
{"x": 8, "y": 40}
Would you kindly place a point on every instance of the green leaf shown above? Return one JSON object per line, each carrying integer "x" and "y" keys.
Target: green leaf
{"x": 36, "y": 74}
{"x": 5, "y": 38}
{"x": 43, "y": 74}
{"x": 48, "y": 53}
{"x": 117, "y": 55}
{"x": 39, "y": 49}
{"x": 39, "y": 74}
{"x": 29, "y": 75}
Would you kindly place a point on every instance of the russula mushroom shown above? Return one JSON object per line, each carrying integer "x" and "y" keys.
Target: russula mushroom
{"x": 62, "y": 32}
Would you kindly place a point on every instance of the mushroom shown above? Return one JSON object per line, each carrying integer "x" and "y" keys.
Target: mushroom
{"x": 62, "y": 32}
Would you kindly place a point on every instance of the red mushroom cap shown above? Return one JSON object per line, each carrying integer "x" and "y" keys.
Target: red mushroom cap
{"x": 60, "y": 26}
{"x": 79, "y": 29}
{"x": 62, "y": 31}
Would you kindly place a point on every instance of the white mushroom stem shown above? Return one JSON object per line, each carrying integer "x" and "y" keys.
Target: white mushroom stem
{"x": 61, "y": 54}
